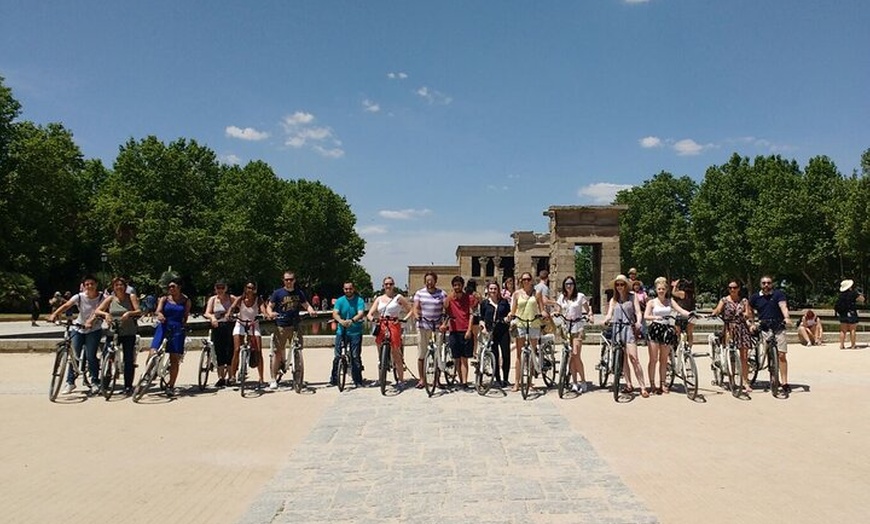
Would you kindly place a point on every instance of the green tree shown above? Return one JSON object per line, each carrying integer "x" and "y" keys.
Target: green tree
{"x": 722, "y": 208}
{"x": 655, "y": 229}
{"x": 852, "y": 224}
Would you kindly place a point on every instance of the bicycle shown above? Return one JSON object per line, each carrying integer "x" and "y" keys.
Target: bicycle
{"x": 567, "y": 350}
{"x": 484, "y": 366}
{"x": 111, "y": 362}
{"x": 529, "y": 367}
{"x": 725, "y": 362}
{"x": 681, "y": 363}
{"x": 245, "y": 353}
{"x": 65, "y": 361}
{"x": 207, "y": 361}
{"x": 771, "y": 354}
{"x": 385, "y": 361}
{"x": 296, "y": 369}
{"x": 605, "y": 360}
{"x": 616, "y": 355}
{"x": 157, "y": 365}
{"x": 438, "y": 360}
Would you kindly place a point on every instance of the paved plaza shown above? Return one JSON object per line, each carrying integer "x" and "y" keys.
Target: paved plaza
{"x": 356, "y": 456}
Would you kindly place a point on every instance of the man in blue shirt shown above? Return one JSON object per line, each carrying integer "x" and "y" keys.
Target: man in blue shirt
{"x": 284, "y": 306}
{"x": 772, "y": 309}
{"x": 348, "y": 313}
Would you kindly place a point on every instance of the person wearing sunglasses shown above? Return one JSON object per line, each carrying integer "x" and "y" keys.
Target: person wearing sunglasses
{"x": 284, "y": 306}
{"x": 624, "y": 308}
{"x": 772, "y": 311}
{"x": 247, "y": 307}
{"x": 216, "y": 312}
{"x": 736, "y": 313}
{"x": 172, "y": 312}
{"x": 392, "y": 305}
{"x": 527, "y": 303}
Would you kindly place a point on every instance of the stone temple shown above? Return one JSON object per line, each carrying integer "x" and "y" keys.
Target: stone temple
{"x": 593, "y": 229}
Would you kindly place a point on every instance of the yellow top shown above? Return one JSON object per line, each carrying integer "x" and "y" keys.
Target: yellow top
{"x": 527, "y": 308}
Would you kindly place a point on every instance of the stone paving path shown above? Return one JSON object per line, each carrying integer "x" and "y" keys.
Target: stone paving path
{"x": 456, "y": 456}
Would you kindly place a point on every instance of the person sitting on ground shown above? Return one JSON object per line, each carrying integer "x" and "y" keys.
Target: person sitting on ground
{"x": 810, "y": 329}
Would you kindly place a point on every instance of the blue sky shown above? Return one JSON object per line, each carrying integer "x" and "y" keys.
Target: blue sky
{"x": 452, "y": 122}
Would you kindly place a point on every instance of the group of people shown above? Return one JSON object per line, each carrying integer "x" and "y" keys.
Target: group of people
{"x": 502, "y": 313}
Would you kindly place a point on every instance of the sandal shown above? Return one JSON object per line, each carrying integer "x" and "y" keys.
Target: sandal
{"x": 665, "y": 389}
{"x": 644, "y": 393}
{"x": 419, "y": 385}
{"x": 628, "y": 390}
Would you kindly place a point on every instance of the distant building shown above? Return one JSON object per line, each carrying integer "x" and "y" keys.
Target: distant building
{"x": 595, "y": 228}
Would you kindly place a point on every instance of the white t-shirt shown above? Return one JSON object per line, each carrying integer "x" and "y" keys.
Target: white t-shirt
{"x": 573, "y": 309}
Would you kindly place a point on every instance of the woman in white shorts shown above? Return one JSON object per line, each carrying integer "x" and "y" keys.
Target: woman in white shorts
{"x": 573, "y": 304}
{"x": 247, "y": 307}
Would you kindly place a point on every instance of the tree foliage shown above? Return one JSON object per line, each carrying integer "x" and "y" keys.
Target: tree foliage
{"x": 655, "y": 235}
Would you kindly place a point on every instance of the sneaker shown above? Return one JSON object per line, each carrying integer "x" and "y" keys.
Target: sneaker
{"x": 67, "y": 389}
{"x": 128, "y": 392}
{"x": 575, "y": 388}
{"x": 171, "y": 392}
{"x": 273, "y": 385}
{"x": 220, "y": 383}
{"x": 95, "y": 390}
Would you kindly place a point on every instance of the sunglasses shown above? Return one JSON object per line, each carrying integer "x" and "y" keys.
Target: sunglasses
{"x": 388, "y": 284}
{"x": 289, "y": 279}
{"x": 526, "y": 279}
{"x": 620, "y": 284}
{"x": 733, "y": 287}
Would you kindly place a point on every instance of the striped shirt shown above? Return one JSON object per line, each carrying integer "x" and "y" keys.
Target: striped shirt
{"x": 431, "y": 305}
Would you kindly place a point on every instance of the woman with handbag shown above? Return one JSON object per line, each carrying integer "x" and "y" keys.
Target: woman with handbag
{"x": 662, "y": 334}
{"x": 624, "y": 308}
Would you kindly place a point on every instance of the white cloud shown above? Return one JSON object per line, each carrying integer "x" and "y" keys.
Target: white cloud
{"x": 320, "y": 139}
{"x": 433, "y": 97}
{"x": 762, "y": 143}
{"x": 248, "y": 133}
{"x": 372, "y": 230}
{"x": 404, "y": 214}
{"x": 688, "y": 147}
{"x": 397, "y": 76}
{"x": 391, "y": 256}
{"x": 650, "y": 141}
{"x": 230, "y": 159}
{"x": 370, "y": 107}
{"x": 601, "y": 192}
{"x": 298, "y": 118}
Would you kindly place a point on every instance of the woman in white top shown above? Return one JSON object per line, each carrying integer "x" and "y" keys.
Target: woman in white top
{"x": 661, "y": 333}
{"x": 87, "y": 331}
{"x": 388, "y": 308}
{"x": 573, "y": 304}
{"x": 221, "y": 329}
{"x": 810, "y": 329}
{"x": 247, "y": 307}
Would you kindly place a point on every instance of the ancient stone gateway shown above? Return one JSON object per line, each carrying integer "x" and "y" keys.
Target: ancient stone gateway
{"x": 591, "y": 230}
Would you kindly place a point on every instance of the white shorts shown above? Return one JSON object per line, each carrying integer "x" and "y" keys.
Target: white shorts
{"x": 239, "y": 329}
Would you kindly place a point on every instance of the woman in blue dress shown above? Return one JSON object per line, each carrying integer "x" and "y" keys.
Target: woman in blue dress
{"x": 172, "y": 312}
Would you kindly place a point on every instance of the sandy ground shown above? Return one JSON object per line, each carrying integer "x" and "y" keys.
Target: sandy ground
{"x": 205, "y": 456}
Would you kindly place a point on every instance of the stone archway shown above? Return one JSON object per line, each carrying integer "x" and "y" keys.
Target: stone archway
{"x": 595, "y": 226}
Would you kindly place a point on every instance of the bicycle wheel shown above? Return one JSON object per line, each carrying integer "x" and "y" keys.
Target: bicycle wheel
{"x": 242, "y": 377}
{"x": 204, "y": 367}
{"x": 107, "y": 376}
{"x": 734, "y": 373}
{"x": 715, "y": 360}
{"x": 163, "y": 371}
{"x": 604, "y": 365}
{"x": 548, "y": 364}
{"x": 147, "y": 377}
{"x": 617, "y": 371}
{"x": 58, "y": 371}
{"x": 564, "y": 370}
{"x": 449, "y": 365}
{"x": 754, "y": 361}
{"x": 690, "y": 375}
{"x": 298, "y": 370}
{"x": 773, "y": 366}
{"x": 383, "y": 366}
{"x": 671, "y": 370}
{"x": 486, "y": 366}
{"x": 430, "y": 370}
{"x": 525, "y": 374}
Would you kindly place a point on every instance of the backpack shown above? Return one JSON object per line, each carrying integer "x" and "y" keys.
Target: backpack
{"x": 844, "y": 304}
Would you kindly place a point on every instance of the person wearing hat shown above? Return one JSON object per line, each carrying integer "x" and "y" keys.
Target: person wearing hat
{"x": 624, "y": 308}
{"x": 847, "y": 311}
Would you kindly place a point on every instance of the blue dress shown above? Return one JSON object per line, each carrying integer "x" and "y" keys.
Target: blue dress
{"x": 173, "y": 327}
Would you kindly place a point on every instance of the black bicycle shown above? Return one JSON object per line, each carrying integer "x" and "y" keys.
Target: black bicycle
{"x": 112, "y": 362}
{"x": 769, "y": 331}
{"x": 385, "y": 354}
